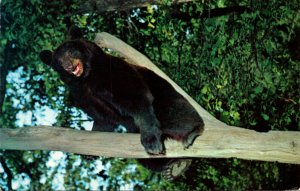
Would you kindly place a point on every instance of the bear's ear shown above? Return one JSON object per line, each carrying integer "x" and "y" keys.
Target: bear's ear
{"x": 75, "y": 32}
{"x": 46, "y": 56}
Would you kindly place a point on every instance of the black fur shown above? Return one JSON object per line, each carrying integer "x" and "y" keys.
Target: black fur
{"x": 114, "y": 92}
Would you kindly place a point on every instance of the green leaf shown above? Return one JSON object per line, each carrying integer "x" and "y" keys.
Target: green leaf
{"x": 219, "y": 86}
{"x": 265, "y": 116}
{"x": 204, "y": 90}
{"x": 236, "y": 115}
{"x": 258, "y": 90}
{"x": 151, "y": 25}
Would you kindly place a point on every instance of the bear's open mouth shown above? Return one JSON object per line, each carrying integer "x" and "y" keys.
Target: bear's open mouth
{"x": 78, "y": 70}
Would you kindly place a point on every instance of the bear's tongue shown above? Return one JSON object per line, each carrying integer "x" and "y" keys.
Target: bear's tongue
{"x": 76, "y": 72}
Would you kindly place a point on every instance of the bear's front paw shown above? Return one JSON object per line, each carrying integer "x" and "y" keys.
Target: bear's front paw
{"x": 152, "y": 143}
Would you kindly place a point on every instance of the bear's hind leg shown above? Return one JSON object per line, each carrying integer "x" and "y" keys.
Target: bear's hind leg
{"x": 188, "y": 140}
{"x": 186, "y": 137}
{"x": 179, "y": 120}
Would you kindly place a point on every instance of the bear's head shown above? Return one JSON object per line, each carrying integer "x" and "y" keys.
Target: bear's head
{"x": 72, "y": 58}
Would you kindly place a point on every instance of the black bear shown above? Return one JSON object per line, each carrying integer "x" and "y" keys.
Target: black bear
{"x": 114, "y": 93}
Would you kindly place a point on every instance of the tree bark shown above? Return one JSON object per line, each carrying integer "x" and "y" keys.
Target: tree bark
{"x": 100, "y": 6}
{"x": 4, "y": 55}
{"x": 217, "y": 141}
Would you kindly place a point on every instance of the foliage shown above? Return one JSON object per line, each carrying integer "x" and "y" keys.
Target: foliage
{"x": 238, "y": 65}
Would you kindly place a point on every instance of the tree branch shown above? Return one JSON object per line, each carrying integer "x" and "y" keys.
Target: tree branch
{"x": 100, "y": 6}
{"x": 214, "y": 143}
{"x": 3, "y": 72}
{"x": 8, "y": 172}
{"x": 216, "y": 12}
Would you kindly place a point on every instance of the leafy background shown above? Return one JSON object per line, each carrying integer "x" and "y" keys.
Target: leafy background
{"x": 237, "y": 59}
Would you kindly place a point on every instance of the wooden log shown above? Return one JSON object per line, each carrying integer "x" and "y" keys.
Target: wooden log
{"x": 214, "y": 143}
